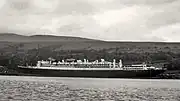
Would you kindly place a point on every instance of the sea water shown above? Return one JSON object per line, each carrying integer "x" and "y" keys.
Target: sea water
{"x": 27, "y": 88}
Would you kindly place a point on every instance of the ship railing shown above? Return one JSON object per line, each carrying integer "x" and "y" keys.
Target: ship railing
{"x": 88, "y": 63}
{"x": 104, "y": 63}
{"x": 160, "y": 68}
{"x": 134, "y": 68}
{"x": 68, "y": 68}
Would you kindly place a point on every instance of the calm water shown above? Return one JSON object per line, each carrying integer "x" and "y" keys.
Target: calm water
{"x": 14, "y": 88}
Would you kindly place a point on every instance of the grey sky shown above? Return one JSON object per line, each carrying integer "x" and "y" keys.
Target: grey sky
{"x": 130, "y": 20}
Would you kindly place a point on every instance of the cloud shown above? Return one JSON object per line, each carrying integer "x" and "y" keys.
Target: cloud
{"x": 123, "y": 16}
{"x": 129, "y": 23}
{"x": 2, "y": 3}
{"x": 170, "y": 33}
{"x": 145, "y": 2}
{"x": 129, "y": 20}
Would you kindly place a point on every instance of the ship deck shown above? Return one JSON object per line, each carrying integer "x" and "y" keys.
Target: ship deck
{"x": 76, "y": 68}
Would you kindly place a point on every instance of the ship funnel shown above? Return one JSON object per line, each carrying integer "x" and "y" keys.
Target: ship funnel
{"x": 97, "y": 61}
{"x": 84, "y": 60}
{"x": 120, "y": 63}
{"x": 114, "y": 63}
{"x": 39, "y": 64}
{"x": 102, "y": 60}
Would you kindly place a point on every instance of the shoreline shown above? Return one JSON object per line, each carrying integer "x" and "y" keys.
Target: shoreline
{"x": 169, "y": 74}
{"x": 20, "y": 74}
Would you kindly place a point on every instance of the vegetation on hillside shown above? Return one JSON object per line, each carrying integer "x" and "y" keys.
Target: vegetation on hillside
{"x": 13, "y": 53}
{"x": 31, "y": 56}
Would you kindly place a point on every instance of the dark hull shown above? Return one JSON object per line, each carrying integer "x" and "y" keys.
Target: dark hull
{"x": 92, "y": 73}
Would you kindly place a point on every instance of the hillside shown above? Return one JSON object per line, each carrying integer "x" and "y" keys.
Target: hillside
{"x": 32, "y": 48}
{"x": 77, "y": 43}
{"x": 10, "y": 37}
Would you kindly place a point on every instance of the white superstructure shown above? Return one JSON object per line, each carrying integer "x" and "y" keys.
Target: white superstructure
{"x": 87, "y": 65}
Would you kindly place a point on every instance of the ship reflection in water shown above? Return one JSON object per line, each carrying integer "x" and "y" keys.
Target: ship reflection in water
{"x": 26, "y": 88}
{"x": 78, "y": 68}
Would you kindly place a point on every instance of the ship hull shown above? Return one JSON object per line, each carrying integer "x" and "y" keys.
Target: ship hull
{"x": 92, "y": 73}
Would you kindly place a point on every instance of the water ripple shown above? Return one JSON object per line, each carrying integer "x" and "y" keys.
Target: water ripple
{"x": 18, "y": 90}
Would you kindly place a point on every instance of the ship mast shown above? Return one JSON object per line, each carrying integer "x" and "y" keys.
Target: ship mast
{"x": 37, "y": 54}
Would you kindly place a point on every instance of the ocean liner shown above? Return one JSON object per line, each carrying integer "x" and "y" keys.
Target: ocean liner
{"x": 97, "y": 69}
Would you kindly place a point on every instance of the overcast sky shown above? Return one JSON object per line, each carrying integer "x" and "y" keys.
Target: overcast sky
{"x": 129, "y": 20}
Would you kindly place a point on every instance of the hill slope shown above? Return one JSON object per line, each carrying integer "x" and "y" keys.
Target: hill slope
{"x": 8, "y": 41}
{"x": 26, "y": 49}
{"x": 10, "y": 37}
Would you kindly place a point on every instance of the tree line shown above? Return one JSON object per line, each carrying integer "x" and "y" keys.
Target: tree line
{"x": 30, "y": 57}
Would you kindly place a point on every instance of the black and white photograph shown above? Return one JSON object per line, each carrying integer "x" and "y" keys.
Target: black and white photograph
{"x": 89, "y": 50}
